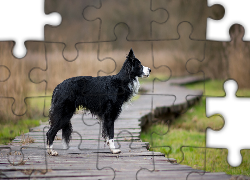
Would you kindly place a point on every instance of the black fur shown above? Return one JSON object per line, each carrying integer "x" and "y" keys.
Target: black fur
{"x": 102, "y": 96}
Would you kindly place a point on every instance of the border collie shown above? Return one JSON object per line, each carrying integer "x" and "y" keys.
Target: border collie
{"x": 103, "y": 96}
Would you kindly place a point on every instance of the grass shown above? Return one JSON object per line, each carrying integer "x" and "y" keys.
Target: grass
{"x": 187, "y": 138}
{"x": 9, "y": 130}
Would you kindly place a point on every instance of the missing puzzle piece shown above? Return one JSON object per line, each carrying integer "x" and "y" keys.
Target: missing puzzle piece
{"x": 235, "y": 12}
{"x": 24, "y": 25}
{"x": 235, "y": 111}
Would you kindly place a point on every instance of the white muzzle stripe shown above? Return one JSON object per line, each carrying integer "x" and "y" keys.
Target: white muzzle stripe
{"x": 146, "y": 71}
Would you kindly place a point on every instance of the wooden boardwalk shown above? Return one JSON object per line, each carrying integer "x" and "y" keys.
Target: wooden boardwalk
{"x": 87, "y": 158}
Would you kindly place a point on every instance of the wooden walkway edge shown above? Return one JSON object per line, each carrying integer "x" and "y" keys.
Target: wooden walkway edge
{"x": 88, "y": 158}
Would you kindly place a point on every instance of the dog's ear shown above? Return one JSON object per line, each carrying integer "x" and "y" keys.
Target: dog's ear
{"x": 131, "y": 54}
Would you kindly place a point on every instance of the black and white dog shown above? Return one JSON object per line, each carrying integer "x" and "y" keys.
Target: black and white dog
{"x": 102, "y": 96}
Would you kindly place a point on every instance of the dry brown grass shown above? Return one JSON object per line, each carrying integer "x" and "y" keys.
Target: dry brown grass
{"x": 14, "y": 80}
{"x": 26, "y": 140}
{"x": 99, "y": 59}
{"x": 89, "y": 63}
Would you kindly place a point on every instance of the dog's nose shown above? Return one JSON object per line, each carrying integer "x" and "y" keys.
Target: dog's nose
{"x": 149, "y": 69}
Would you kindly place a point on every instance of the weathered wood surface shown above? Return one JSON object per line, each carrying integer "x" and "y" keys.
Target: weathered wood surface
{"x": 88, "y": 158}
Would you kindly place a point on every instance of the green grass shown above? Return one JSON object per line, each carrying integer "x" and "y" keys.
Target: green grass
{"x": 189, "y": 130}
{"x": 212, "y": 88}
{"x": 216, "y": 88}
{"x": 9, "y": 130}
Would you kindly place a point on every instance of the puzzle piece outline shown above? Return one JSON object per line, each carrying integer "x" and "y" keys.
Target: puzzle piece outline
{"x": 23, "y": 60}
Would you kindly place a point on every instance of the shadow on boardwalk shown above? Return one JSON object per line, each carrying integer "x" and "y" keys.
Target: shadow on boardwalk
{"x": 88, "y": 158}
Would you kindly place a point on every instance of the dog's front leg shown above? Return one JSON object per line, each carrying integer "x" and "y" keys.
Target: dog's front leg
{"x": 111, "y": 141}
{"x": 50, "y": 138}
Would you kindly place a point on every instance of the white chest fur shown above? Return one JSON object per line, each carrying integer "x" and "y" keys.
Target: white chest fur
{"x": 134, "y": 87}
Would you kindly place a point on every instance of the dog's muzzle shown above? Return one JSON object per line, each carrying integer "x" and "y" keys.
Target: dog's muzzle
{"x": 146, "y": 71}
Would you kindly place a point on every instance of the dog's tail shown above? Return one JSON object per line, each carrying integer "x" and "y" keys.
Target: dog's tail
{"x": 66, "y": 132}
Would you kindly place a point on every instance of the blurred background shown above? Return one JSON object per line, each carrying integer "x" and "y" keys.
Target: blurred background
{"x": 95, "y": 37}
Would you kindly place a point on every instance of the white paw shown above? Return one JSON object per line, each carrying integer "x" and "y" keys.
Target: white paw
{"x": 52, "y": 152}
{"x": 115, "y": 151}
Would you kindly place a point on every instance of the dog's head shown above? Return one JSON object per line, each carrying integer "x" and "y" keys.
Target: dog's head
{"x": 135, "y": 68}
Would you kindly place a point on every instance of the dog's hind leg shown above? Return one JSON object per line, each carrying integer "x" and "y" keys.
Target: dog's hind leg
{"x": 50, "y": 138}
{"x": 60, "y": 119}
{"x": 66, "y": 135}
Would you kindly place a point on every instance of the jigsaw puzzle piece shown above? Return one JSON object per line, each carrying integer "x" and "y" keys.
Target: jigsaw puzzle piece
{"x": 24, "y": 26}
{"x": 30, "y": 161}
{"x": 217, "y": 158}
{"x": 184, "y": 97}
{"x": 224, "y": 138}
{"x": 176, "y": 142}
{"x": 91, "y": 143}
{"x": 16, "y": 87}
{"x": 175, "y": 154}
{"x": 6, "y": 156}
{"x": 155, "y": 106}
{"x": 83, "y": 145}
{"x": 58, "y": 69}
{"x": 11, "y": 155}
{"x": 83, "y": 139}
{"x": 167, "y": 168}
{"x": 176, "y": 52}
{"x": 140, "y": 25}
{"x": 219, "y": 61}
{"x": 117, "y": 50}
{"x": 5, "y": 73}
{"x": 235, "y": 13}
{"x": 87, "y": 127}
{"x": 74, "y": 28}
{"x": 194, "y": 11}
{"x": 127, "y": 132}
